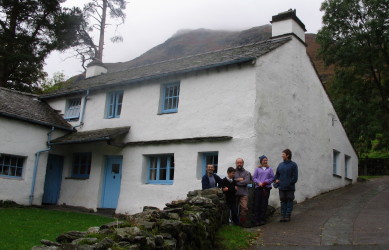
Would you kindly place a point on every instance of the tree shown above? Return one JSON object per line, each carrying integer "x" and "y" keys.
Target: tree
{"x": 95, "y": 18}
{"x": 29, "y": 31}
{"x": 355, "y": 38}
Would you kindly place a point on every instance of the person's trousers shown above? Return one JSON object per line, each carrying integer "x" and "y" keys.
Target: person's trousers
{"x": 233, "y": 209}
{"x": 286, "y": 198}
{"x": 241, "y": 202}
{"x": 261, "y": 201}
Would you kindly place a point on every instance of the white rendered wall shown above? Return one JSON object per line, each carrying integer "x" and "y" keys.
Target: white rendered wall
{"x": 24, "y": 139}
{"x": 293, "y": 112}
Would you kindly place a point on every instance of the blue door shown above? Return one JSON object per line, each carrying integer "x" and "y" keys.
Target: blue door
{"x": 53, "y": 179}
{"x": 112, "y": 179}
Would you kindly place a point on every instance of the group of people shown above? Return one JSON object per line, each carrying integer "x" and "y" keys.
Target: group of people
{"x": 235, "y": 188}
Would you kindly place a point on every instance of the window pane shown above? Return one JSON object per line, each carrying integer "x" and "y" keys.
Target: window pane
{"x": 162, "y": 174}
{"x": 161, "y": 168}
{"x": 11, "y": 165}
{"x": 81, "y": 165}
{"x": 5, "y": 170}
{"x": 153, "y": 174}
{"x": 12, "y": 171}
{"x": 7, "y": 161}
{"x": 73, "y": 108}
{"x": 19, "y": 172}
{"x": 170, "y": 95}
{"x": 171, "y": 177}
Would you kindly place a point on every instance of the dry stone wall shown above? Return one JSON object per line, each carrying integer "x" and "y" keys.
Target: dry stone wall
{"x": 183, "y": 224}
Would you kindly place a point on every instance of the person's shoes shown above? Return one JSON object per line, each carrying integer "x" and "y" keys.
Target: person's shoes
{"x": 283, "y": 219}
{"x": 287, "y": 218}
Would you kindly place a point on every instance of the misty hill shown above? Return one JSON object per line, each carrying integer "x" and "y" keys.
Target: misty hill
{"x": 191, "y": 42}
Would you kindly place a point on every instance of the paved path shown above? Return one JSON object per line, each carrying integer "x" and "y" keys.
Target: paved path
{"x": 353, "y": 217}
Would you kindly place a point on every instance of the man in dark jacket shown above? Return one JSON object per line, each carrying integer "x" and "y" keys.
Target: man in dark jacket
{"x": 210, "y": 180}
{"x": 286, "y": 178}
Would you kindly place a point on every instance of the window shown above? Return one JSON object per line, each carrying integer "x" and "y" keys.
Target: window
{"x": 114, "y": 104}
{"x": 347, "y": 173}
{"x": 210, "y": 158}
{"x": 335, "y": 162}
{"x": 11, "y": 165}
{"x": 160, "y": 169}
{"x": 170, "y": 97}
{"x": 81, "y": 165}
{"x": 72, "y": 111}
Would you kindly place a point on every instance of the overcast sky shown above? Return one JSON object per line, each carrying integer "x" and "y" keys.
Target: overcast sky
{"x": 151, "y": 22}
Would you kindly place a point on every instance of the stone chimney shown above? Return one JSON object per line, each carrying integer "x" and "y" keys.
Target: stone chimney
{"x": 287, "y": 23}
{"x": 95, "y": 68}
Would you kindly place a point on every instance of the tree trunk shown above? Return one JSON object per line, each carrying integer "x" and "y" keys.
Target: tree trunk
{"x": 102, "y": 30}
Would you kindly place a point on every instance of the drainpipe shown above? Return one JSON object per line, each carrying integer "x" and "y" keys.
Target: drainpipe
{"x": 37, "y": 155}
{"x": 83, "y": 110}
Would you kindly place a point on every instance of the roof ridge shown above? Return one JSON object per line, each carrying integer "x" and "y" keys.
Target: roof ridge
{"x": 201, "y": 54}
{"x": 19, "y": 92}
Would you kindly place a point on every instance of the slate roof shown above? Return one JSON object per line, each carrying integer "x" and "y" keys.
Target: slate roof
{"x": 28, "y": 107}
{"x": 105, "y": 134}
{"x": 118, "y": 74}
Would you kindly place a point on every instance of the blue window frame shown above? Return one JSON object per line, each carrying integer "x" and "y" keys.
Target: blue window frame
{"x": 114, "y": 104}
{"x": 11, "y": 165}
{"x": 160, "y": 169}
{"x": 335, "y": 162}
{"x": 81, "y": 165}
{"x": 170, "y": 97}
{"x": 210, "y": 158}
{"x": 72, "y": 111}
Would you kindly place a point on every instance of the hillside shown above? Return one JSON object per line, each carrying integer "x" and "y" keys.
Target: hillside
{"x": 190, "y": 42}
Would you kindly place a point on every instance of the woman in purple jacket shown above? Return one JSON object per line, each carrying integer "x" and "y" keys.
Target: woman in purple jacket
{"x": 263, "y": 177}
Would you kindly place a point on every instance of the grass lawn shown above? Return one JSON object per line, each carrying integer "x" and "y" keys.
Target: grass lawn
{"x": 234, "y": 238}
{"x": 23, "y": 228}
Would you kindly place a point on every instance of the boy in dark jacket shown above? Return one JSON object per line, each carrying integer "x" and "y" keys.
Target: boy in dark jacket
{"x": 229, "y": 189}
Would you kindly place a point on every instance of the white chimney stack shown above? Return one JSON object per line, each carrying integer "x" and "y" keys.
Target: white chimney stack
{"x": 95, "y": 68}
{"x": 287, "y": 23}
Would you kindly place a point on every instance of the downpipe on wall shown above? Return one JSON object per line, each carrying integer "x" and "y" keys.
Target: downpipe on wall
{"x": 37, "y": 155}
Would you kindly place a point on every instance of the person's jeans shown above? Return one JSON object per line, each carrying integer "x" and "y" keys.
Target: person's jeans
{"x": 261, "y": 201}
{"x": 286, "y": 198}
{"x": 242, "y": 205}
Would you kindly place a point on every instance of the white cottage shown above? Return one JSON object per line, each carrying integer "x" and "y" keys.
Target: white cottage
{"x": 145, "y": 134}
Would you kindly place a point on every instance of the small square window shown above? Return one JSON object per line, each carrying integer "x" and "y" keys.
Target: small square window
{"x": 160, "y": 169}
{"x": 72, "y": 111}
{"x": 81, "y": 165}
{"x": 114, "y": 102}
{"x": 210, "y": 158}
{"x": 11, "y": 165}
{"x": 170, "y": 94}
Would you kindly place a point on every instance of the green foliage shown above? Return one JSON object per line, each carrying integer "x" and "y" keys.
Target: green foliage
{"x": 29, "y": 31}
{"x": 233, "y": 238}
{"x": 355, "y": 38}
{"x": 368, "y": 177}
{"x": 22, "y": 228}
{"x": 49, "y": 85}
